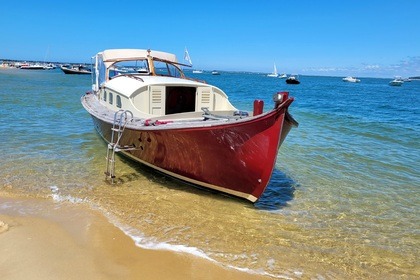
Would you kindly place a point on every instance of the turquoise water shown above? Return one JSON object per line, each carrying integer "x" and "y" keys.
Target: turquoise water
{"x": 343, "y": 201}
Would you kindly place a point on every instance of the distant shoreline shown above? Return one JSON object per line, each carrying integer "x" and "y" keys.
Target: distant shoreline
{"x": 12, "y": 62}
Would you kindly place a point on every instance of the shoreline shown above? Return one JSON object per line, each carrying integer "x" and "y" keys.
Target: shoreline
{"x": 61, "y": 241}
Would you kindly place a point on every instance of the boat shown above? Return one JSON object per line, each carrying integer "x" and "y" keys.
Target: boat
{"x": 50, "y": 66}
{"x": 283, "y": 76}
{"x": 120, "y": 70}
{"x": 214, "y": 72}
{"x": 75, "y": 69}
{"x": 293, "y": 79}
{"x": 182, "y": 127}
{"x": 351, "y": 79}
{"x": 398, "y": 81}
{"x": 187, "y": 57}
{"x": 274, "y": 74}
{"x": 32, "y": 66}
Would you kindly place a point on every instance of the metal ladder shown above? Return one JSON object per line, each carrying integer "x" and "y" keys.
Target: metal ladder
{"x": 121, "y": 118}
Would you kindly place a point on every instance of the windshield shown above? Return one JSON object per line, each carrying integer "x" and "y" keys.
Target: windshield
{"x": 129, "y": 67}
{"x": 142, "y": 67}
{"x": 166, "y": 69}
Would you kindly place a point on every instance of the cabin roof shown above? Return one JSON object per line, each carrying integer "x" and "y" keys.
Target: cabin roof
{"x": 114, "y": 55}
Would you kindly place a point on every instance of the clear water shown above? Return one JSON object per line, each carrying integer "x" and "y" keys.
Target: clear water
{"x": 343, "y": 201}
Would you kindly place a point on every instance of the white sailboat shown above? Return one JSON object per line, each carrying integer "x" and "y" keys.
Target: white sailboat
{"x": 274, "y": 74}
{"x": 187, "y": 57}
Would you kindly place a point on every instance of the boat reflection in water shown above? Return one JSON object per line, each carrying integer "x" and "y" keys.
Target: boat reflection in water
{"x": 184, "y": 128}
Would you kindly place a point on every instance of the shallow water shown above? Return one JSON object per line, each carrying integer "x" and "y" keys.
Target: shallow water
{"x": 343, "y": 201}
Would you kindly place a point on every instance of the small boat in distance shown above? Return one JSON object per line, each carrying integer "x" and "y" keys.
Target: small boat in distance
{"x": 214, "y": 72}
{"x": 32, "y": 66}
{"x": 351, "y": 80}
{"x": 197, "y": 71}
{"x": 75, "y": 69}
{"x": 283, "y": 76}
{"x": 293, "y": 80}
{"x": 398, "y": 81}
{"x": 183, "y": 127}
{"x": 274, "y": 74}
{"x": 50, "y": 66}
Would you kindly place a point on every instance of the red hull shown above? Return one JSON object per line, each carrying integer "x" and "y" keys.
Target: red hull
{"x": 235, "y": 158}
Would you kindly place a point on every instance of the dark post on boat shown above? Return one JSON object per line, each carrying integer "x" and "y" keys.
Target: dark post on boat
{"x": 258, "y": 107}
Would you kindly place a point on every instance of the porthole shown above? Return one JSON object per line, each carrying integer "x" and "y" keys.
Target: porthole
{"x": 119, "y": 105}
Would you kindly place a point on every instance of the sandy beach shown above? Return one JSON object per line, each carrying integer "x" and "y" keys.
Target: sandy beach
{"x": 40, "y": 239}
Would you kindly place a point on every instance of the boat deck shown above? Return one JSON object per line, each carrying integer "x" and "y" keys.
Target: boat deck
{"x": 173, "y": 121}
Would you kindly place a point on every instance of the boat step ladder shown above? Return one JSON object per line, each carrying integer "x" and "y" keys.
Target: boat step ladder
{"x": 121, "y": 118}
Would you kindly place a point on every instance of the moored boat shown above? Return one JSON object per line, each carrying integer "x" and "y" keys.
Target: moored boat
{"x": 274, "y": 74}
{"x": 351, "y": 80}
{"x": 49, "y": 66}
{"x": 182, "y": 127}
{"x": 32, "y": 66}
{"x": 293, "y": 80}
{"x": 76, "y": 69}
{"x": 398, "y": 81}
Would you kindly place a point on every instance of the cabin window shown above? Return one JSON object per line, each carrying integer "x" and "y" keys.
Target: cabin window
{"x": 129, "y": 67}
{"x": 180, "y": 100}
{"x": 119, "y": 105}
{"x": 104, "y": 97}
{"x": 166, "y": 69}
{"x": 111, "y": 98}
{"x": 101, "y": 75}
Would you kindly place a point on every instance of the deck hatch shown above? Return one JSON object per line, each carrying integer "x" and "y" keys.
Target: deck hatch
{"x": 180, "y": 99}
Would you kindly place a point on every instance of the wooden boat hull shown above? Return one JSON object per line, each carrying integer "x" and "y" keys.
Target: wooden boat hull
{"x": 236, "y": 158}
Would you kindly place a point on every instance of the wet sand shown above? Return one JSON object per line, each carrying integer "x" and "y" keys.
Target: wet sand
{"x": 43, "y": 240}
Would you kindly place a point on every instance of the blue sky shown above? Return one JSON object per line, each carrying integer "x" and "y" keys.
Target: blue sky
{"x": 339, "y": 38}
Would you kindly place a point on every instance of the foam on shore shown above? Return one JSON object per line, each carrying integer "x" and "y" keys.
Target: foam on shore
{"x": 94, "y": 247}
{"x": 149, "y": 243}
